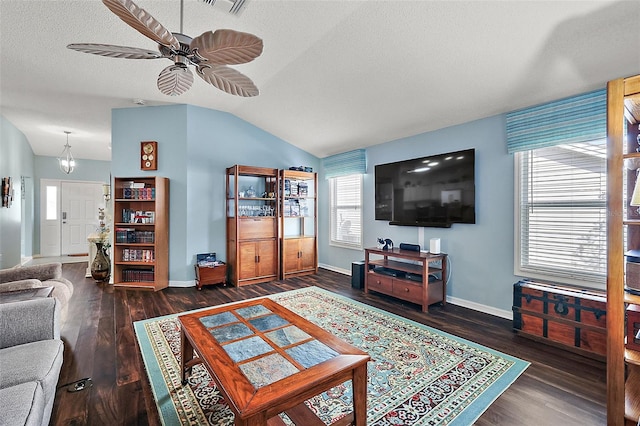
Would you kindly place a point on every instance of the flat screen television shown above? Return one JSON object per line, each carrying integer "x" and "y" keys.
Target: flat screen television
{"x": 433, "y": 191}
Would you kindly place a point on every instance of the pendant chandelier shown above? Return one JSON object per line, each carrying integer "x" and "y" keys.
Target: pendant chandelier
{"x": 65, "y": 160}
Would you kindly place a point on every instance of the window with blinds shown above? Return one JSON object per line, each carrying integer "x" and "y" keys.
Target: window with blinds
{"x": 562, "y": 222}
{"x": 346, "y": 211}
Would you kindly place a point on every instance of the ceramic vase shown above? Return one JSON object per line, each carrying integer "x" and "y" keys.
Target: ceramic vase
{"x": 101, "y": 265}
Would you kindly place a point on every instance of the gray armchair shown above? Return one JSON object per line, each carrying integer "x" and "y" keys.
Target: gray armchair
{"x": 47, "y": 275}
{"x": 31, "y": 354}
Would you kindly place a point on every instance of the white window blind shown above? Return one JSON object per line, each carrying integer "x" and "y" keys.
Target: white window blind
{"x": 346, "y": 211}
{"x": 562, "y": 223}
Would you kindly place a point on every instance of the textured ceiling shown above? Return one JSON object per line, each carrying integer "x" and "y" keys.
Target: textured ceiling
{"x": 334, "y": 75}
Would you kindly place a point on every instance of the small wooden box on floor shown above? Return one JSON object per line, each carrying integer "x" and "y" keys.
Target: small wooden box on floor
{"x": 211, "y": 275}
{"x": 564, "y": 316}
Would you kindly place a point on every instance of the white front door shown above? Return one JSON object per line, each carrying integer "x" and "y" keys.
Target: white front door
{"x": 80, "y": 203}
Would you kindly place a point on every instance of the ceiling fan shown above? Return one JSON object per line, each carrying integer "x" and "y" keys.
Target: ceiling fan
{"x": 209, "y": 53}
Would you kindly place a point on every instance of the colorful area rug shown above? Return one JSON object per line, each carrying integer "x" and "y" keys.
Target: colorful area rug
{"x": 418, "y": 375}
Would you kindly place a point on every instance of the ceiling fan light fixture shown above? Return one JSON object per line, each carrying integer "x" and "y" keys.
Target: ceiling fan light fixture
{"x": 66, "y": 161}
{"x": 181, "y": 61}
{"x": 175, "y": 79}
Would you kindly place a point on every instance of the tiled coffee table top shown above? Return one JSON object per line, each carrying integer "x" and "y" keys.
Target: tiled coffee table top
{"x": 266, "y": 359}
{"x": 252, "y": 335}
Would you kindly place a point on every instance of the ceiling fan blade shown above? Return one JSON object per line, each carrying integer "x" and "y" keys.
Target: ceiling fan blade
{"x": 228, "y": 80}
{"x": 227, "y": 47}
{"x": 174, "y": 80}
{"x": 140, "y": 20}
{"x": 112, "y": 51}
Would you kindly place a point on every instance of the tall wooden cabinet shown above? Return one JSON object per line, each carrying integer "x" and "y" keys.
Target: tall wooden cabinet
{"x": 623, "y": 227}
{"x": 252, "y": 224}
{"x": 140, "y": 252}
{"x": 299, "y": 223}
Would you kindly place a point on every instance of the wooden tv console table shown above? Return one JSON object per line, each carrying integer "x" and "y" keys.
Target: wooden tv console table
{"x": 407, "y": 276}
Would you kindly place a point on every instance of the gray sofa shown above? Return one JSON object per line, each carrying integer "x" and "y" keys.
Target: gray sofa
{"x": 47, "y": 275}
{"x": 31, "y": 354}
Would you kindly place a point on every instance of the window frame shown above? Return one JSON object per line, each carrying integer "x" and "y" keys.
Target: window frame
{"x": 534, "y": 272}
{"x": 332, "y": 213}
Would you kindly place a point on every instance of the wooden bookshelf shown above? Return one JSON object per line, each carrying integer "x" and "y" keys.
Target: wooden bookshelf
{"x": 623, "y": 233}
{"x": 252, "y": 225}
{"x": 299, "y": 223}
{"x": 140, "y": 252}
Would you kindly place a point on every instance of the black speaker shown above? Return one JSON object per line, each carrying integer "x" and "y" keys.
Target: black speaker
{"x": 411, "y": 247}
{"x": 357, "y": 274}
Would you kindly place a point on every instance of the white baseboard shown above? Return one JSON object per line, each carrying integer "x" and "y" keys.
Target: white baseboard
{"x": 182, "y": 284}
{"x": 334, "y": 269}
{"x": 480, "y": 307}
{"x": 25, "y": 260}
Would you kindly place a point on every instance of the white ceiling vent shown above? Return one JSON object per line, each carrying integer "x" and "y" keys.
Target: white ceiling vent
{"x": 233, "y": 7}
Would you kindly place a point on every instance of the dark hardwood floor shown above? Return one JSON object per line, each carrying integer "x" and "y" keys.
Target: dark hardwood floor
{"x": 559, "y": 388}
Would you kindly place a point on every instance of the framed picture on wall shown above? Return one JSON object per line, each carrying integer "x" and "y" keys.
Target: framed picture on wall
{"x": 7, "y": 192}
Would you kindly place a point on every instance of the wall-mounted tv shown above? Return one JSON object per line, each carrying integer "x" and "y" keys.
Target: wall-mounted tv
{"x": 433, "y": 191}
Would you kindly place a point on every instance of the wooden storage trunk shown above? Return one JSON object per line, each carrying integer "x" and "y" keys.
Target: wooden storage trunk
{"x": 564, "y": 316}
{"x": 211, "y": 275}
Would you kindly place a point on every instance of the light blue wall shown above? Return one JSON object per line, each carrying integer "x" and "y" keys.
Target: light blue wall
{"x": 481, "y": 254}
{"x": 166, "y": 125}
{"x": 85, "y": 170}
{"x": 195, "y": 146}
{"x": 16, "y": 160}
{"x": 218, "y": 140}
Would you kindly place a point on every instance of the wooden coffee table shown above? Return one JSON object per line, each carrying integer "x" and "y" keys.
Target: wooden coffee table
{"x": 267, "y": 360}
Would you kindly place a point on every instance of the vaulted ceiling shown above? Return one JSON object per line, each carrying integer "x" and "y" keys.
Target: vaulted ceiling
{"x": 334, "y": 75}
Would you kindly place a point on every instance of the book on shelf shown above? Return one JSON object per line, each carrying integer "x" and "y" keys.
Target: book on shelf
{"x": 303, "y": 207}
{"x": 291, "y": 208}
{"x": 303, "y": 189}
{"x": 131, "y": 235}
{"x": 295, "y": 208}
{"x": 287, "y": 187}
{"x": 144, "y": 217}
{"x": 138, "y": 216}
{"x": 138, "y": 255}
{"x": 125, "y": 235}
{"x": 139, "y": 193}
{"x": 138, "y": 275}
